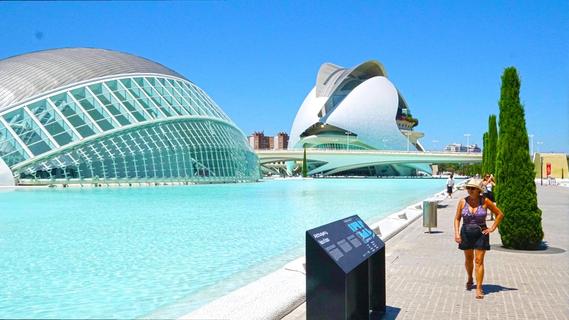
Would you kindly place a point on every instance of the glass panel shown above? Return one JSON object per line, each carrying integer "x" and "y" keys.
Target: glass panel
{"x": 95, "y": 110}
{"x": 155, "y": 96}
{"x": 175, "y": 105}
{"x": 74, "y": 114}
{"x": 191, "y": 90}
{"x": 113, "y": 105}
{"x": 196, "y": 151}
{"x": 53, "y": 122}
{"x": 28, "y": 131}
{"x": 177, "y": 96}
{"x": 129, "y": 102}
{"x": 10, "y": 150}
{"x": 141, "y": 98}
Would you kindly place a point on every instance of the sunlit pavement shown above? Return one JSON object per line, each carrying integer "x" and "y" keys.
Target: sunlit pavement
{"x": 426, "y": 277}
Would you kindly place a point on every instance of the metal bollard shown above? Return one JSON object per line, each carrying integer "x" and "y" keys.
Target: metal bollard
{"x": 429, "y": 214}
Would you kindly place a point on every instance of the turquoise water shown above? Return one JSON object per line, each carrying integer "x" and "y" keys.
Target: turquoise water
{"x": 163, "y": 251}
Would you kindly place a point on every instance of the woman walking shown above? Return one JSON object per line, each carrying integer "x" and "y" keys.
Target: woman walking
{"x": 474, "y": 235}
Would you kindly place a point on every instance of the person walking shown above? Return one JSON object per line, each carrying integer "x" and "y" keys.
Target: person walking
{"x": 474, "y": 236}
{"x": 450, "y": 185}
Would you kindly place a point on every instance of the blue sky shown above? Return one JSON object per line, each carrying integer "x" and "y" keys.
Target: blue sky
{"x": 258, "y": 60}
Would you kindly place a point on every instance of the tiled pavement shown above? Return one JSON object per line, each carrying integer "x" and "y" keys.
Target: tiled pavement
{"x": 426, "y": 277}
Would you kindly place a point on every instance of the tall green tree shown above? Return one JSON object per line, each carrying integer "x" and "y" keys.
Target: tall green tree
{"x": 515, "y": 187}
{"x": 304, "y": 165}
{"x": 485, "y": 151}
{"x": 492, "y": 144}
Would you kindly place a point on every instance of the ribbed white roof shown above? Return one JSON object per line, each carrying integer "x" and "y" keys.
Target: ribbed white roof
{"x": 331, "y": 76}
{"x": 26, "y": 76}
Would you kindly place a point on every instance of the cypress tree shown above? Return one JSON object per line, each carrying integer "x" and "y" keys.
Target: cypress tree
{"x": 304, "y": 165}
{"x": 485, "y": 151}
{"x": 515, "y": 187}
{"x": 492, "y": 144}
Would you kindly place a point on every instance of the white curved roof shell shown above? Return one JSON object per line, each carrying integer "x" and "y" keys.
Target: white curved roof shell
{"x": 368, "y": 110}
{"x": 26, "y": 76}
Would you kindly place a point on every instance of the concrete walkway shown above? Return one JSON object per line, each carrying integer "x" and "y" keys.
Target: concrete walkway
{"x": 426, "y": 277}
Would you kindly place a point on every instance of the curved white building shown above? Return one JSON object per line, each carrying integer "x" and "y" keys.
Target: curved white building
{"x": 81, "y": 115}
{"x": 357, "y": 109}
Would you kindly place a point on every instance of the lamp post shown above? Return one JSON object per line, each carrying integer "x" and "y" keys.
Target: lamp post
{"x": 541, "y": 169}
{"x": 467, "y": 135}
{"x": 539, "y": 143}
{"x": 348, "y": 140}
{"x": 384, "y": 140}
{"x": 407, "y": 133}
{"x": 435, "y": 144}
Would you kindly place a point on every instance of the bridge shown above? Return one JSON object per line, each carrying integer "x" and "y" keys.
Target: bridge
{"x": 339, "y": 160}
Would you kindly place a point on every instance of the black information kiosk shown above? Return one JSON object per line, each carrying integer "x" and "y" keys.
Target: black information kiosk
{"x": 345, "y": 271}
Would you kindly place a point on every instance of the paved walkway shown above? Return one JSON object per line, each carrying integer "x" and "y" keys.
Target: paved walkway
{"x": 426, "y": 277}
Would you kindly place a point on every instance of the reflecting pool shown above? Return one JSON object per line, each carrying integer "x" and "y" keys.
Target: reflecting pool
{"x": 132, "y": 252}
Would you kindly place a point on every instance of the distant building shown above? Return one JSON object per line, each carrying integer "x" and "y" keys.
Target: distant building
{"x": 281, "y": 141}
{"x": 457, "y": 147}
{"x": 555, "y": 165}
{"x": 258, "y": 141}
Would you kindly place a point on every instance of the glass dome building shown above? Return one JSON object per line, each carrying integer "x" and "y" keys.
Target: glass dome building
{"x": 83, "y": 115}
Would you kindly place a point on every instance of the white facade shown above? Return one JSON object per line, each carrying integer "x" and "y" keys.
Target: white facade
{"x": 355, "y": 109}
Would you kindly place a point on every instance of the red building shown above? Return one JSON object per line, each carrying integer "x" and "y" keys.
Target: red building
{"x": 258, "y": 141}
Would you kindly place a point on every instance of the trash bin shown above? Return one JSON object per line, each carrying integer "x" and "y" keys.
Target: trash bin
{"x": 430, "y": 214}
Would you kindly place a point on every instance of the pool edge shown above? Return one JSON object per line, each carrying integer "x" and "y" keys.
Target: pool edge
{"x": 279, "y": 293}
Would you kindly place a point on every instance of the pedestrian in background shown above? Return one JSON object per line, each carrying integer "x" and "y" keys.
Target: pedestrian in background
{"x": 488, "y": 185}
{"x": 450, "y": 185}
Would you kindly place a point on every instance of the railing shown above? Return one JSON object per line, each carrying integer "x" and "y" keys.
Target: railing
{"x": 371, "y": 151}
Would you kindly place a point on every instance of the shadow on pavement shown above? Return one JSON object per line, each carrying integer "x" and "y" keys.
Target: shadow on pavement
{"x": 494, "y": 288}
{"x": 391, "y": 313}
{"x": 544, "y": 248}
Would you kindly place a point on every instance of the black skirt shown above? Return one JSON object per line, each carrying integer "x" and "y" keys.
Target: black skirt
{"x": 472, "y": 237}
